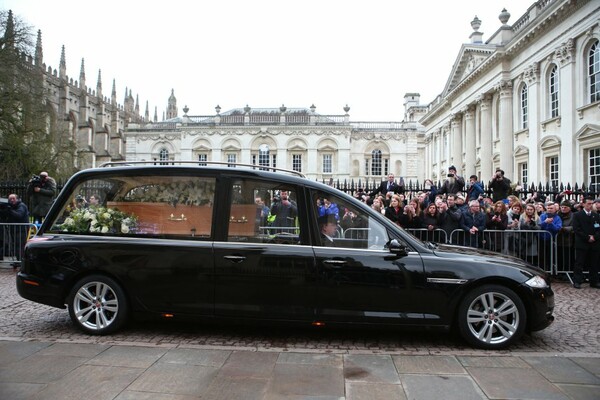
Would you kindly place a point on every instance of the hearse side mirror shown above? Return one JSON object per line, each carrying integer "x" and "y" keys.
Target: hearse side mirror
{"x": 397, "y": 248}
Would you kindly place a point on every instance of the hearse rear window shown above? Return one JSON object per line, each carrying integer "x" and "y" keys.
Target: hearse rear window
{"x": 179, "y": 206}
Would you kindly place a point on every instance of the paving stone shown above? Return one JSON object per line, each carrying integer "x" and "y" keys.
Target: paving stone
{"x": 515, "y": 383}
{"x": 428, "y": 365}
{"x": 373, "y": 391}
{"x": 90, "y": 382}
{"x": 209, "y": 358}
{"x": 128, "y": 356}
{"x": 249, "y": 364}
{"x": 181, "y": 379}
{"x": 562, "y": 370}
{"x": 447, "y": 387}
{"x": 15, "y": 351}
{"x": 39, "y": 369}
{"x": 592, "y": 364}
{"x": 370, "y": 368}
{"x": 493, "y": 362}
{"x": 581, "y": 392}
{"x": 19, "y": 391}
{"x": 311, "y": 359}
{"x": 132, "y": 395}
{"x": 306, "y": 380}
{"x": 74, "y": 349}
{"x": 226, "y": 387}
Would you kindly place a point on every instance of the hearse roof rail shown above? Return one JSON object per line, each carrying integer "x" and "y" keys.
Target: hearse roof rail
{"x": 200, "y": 164}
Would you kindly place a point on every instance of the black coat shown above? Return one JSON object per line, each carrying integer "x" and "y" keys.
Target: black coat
{"x": 583, "y": 227}
{"x": 383, "y": 188}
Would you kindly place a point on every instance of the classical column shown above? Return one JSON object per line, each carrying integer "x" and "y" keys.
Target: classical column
{"x": 470, "y": 141}
{"x": 567, "y": 108}
{"x": 438, "y": 156}
{"x": 456, "y": 138}
{"x": 505, "y": 128}
{"x": 485, "y": 151}
{"x": 535, "y": 162}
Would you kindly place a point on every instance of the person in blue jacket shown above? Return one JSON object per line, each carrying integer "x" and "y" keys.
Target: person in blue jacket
{"x": 475, "y": 188}
{"x": 551, "y": 223}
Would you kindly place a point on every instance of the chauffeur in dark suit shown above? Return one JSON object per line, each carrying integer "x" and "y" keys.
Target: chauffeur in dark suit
{"x": 586, "y": 226}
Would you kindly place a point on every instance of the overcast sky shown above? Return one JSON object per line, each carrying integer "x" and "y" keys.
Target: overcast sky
{"x": 264, "y": 53}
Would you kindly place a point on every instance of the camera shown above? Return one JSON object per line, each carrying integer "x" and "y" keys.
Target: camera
{"x": 4, "y": 203}
{"x": 450, "y": 175}
{"x": 36, "y": 181}
{"x": 516, "y": 217}
{"x": 79, "y": 198}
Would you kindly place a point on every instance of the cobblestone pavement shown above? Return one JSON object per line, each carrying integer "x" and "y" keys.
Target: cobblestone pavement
{"x": 575, "y": 330}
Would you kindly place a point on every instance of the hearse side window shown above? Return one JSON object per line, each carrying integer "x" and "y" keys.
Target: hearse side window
{"x": 263, "y": 212}
{"x": 165, "y": 206}
{"x": 341, "y": 224}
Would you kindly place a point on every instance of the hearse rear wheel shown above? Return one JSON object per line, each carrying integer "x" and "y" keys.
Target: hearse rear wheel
{"x": 97, "y": 305}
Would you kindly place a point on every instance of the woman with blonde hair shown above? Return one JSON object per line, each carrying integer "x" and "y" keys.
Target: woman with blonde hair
{"x": 530, "y": 221}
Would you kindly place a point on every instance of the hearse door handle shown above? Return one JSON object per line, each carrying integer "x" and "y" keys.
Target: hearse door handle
{"x": 335, "y": 263}
{"x": 235, "y": 259}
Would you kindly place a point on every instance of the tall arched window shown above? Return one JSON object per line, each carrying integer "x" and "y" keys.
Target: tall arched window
{"x": 376, "y": 162}
{"x": 553, "y": 91}
{"x": 594, "y": 72}
{"x": 163, "y": 156}
{"x": 524, "y": 106}
{"x": 263, "y": 155}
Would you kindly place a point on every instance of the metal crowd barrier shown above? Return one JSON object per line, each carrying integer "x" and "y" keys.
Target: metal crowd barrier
{"x": 12, "y": 242}
{"x": 538, "y": 247}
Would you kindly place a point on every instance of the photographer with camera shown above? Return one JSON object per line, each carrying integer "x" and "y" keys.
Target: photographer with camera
{"x": 499, "y": 185}
{"x": 14, "y": 237}
{"x": 41, "y": 192}
{"x": 453, "y": 184}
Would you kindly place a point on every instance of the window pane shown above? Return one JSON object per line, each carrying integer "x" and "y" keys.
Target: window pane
{"x": 231, "y": 159}
{"x": 376, "y": 163}
{"x": 263, "y": 212}
{"x": 553, "y": 90}
{"x": 297, "y": 162}
{"x": 343, "y": 225}
{"x": 594, "y": 72}
{"x": 594, "y": 169}
{"x": 169, "y": 206}
{"x": 524, "y": 107}
{"x": 202, "y": 158}
{"x": 553, "y": 171}
{"x": 327, "y": 163}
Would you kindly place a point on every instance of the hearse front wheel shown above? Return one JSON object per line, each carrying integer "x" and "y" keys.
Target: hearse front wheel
{"x": 491, "y": 317}
{"x": 97, "y": 305}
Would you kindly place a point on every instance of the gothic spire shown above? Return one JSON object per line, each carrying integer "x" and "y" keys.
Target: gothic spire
{"x": 155, "y": 114}
{"x": 113, "y": 95}
{"x": 63, "y": 64}
{"x": 99, "y": 84}
{"x": 9, "y": 33}
{"x": 137, "y": 104}
{"x": 147, "y": 113}
{"x": 82, "y": 76}
{"x": 39, "y": 53}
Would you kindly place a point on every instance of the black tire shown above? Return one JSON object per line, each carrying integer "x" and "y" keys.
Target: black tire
{"x": 491, "y": 317}
{"x": 98, "y": 305}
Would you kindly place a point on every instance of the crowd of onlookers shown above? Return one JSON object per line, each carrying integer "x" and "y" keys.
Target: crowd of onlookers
{"x": 462, "y": 214}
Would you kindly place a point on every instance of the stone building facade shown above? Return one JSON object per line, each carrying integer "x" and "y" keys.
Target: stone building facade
{"x": 93, "y": 121}
{"x": 527, "y": 100}
{"x": 320, "y": 146}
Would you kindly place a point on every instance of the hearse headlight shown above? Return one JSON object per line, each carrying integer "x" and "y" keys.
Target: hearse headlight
{"x": 537, "y": 282}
